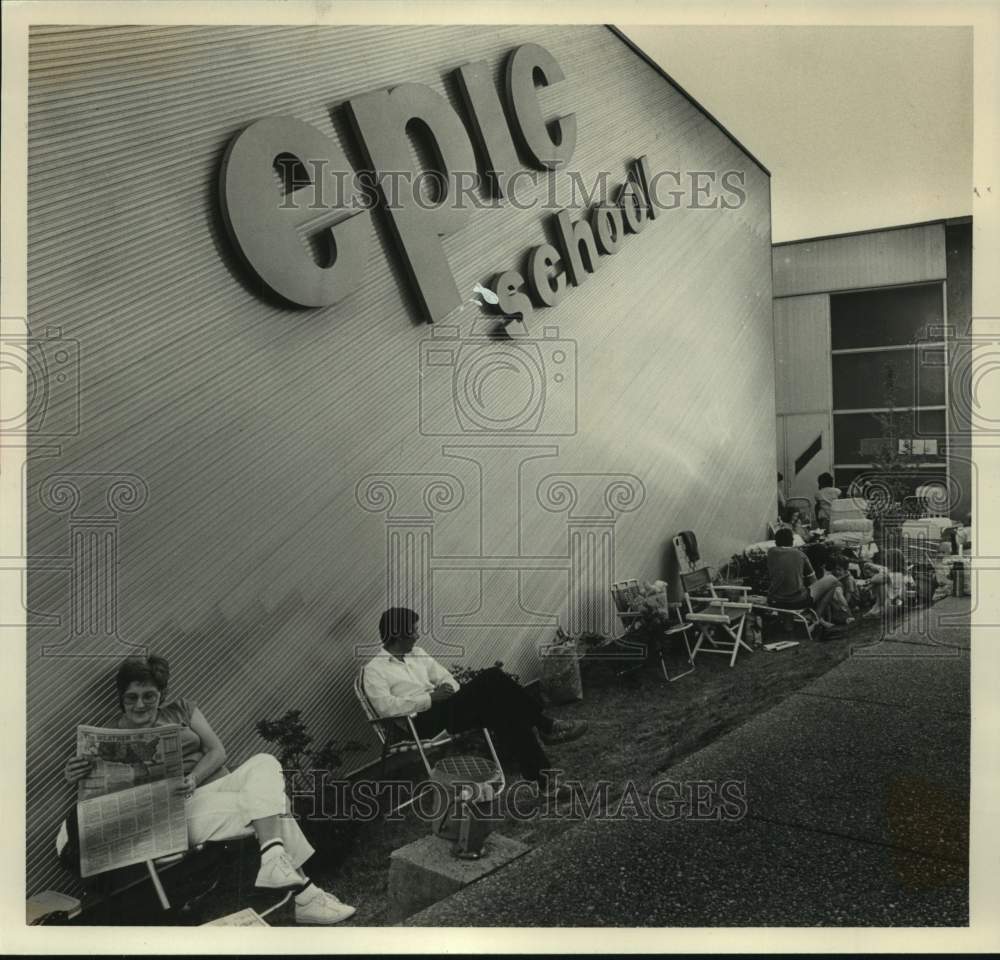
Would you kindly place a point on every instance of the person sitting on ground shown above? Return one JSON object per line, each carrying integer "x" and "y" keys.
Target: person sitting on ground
{"x": 218, "y": 804}
{"x": 404, "y": 679}
{"x": 888, "y": 582}
{"x": 843, "y": 612}
{"x": 826, "y": 494}
{"x": 793, "y": 582}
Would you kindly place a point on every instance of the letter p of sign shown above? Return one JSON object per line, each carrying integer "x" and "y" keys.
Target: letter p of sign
{"x": 385, "y": 121}
{"x": 306, "y": 239}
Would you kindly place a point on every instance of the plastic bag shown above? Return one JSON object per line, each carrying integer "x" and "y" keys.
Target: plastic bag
{"x": 560, "y": 680}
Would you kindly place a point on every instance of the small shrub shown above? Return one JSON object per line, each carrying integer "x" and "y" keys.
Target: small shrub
{"x": 464, "y": 674}
{"x": 307, "y": 772}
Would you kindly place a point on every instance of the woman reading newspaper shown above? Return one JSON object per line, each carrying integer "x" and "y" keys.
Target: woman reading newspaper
{"x": 220, "y": 804}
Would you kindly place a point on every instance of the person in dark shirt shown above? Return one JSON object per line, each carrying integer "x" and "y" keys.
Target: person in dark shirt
{"x": 794, "y": 585}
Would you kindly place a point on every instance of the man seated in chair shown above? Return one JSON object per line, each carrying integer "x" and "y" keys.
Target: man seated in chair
{"x": 793, "y": 581}
{"x": 405, "y": 679}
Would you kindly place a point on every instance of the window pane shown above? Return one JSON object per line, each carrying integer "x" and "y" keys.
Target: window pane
{"x": 844, "y": 477}
{"x": 860, "y": 380}
{"x": 884, "y": 318}
{"x": 857, "y": 435}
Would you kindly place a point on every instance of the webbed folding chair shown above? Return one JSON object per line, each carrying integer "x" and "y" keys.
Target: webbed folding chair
{"x": 109, "y": 894}
{"x": 627, "y": 597}
{"x": 805, "y": 507}
{"x": 806, "y": 615}
{"x": 398, "y": 735}
{"x": 720, "y": 620}
{"x": 154, "y": 867}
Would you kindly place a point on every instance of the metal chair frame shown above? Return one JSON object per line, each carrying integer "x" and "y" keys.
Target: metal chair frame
{"x": 407, "y": 740}
{"x": 625, "y": 595}
{"x": 806, "y": 615}
{"x": 154, "y": 869}
{"x": 805, "y": 506}
{"x": 714, "y": 612}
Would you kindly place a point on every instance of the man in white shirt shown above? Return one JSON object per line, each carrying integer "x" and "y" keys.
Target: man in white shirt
{"x": 405, "y": 679}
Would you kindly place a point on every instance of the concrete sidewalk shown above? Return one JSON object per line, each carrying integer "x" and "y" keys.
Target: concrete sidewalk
{"x": 857, "y": 792}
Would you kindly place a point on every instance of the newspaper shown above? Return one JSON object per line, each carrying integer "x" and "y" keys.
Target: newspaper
{"x": 128, "y": 758}
{"x": 128, "y": 809}
{"x": 248, "y": 917}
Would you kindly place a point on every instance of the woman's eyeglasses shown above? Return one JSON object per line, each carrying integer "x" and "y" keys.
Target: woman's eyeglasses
{"x": 133, "y": 698}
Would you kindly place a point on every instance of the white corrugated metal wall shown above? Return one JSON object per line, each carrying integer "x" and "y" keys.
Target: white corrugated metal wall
{"x": 210, "y": 500}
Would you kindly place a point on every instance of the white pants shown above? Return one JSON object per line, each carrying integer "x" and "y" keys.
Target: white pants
{"x": 224, "y": 808}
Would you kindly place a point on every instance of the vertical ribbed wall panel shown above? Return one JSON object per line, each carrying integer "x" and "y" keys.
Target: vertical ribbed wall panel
{"x": 802, "y": 376}
{"x": 855, "y": 261}
{"x": 241, "y": 487}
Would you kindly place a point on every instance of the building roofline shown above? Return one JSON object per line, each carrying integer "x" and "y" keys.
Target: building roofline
{"x": 635, "y": 48}
{"x": 946, "y": 221}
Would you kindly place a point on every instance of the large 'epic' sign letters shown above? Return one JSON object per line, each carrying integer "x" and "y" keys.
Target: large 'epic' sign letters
{"x": 330, "y": 210}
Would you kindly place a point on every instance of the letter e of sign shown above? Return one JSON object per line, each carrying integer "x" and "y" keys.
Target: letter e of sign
{"x": 266, "y": 222}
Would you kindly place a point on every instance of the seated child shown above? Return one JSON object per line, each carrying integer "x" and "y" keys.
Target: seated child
{"x": 845, "y": 601}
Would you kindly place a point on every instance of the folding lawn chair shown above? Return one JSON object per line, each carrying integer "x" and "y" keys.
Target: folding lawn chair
{"x": 720, "y": 620}
{"x": 806, "y": 616}
{"x": 398, "y": 735}
{"x": 627, "y": 597}
{"x": 805, "y": 507}
{"x": 192, "y": 874}
{"x": 154, "y": 867}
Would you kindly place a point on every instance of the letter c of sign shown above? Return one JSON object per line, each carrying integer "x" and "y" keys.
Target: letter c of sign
{"x": 268, "y": 227}
{"x": 549, "y": 145}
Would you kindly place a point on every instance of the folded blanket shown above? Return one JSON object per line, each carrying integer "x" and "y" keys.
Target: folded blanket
{"x": 849, "y": 508}
{"x": 852, "y": 526}
{"x": 930, "y": 527}
{"x": 853, "y": 538}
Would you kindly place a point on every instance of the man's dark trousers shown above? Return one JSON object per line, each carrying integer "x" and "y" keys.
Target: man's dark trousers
{"x": 493, "y": 700}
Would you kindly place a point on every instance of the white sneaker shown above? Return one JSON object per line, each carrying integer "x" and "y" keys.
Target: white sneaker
{"x": 277, "y": 873}
{"x": 322, "y": 908}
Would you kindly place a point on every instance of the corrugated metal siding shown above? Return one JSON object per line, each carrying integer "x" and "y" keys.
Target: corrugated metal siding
{"x": 255, "y": 557}
{"x": 802, "y": 381}
{"x": 903, "y": 255}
